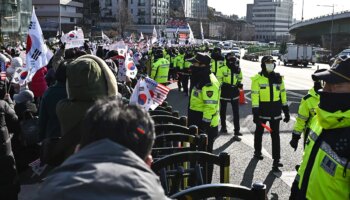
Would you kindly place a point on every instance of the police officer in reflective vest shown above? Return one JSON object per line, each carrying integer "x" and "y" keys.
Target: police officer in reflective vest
{"x": 307, "y": 110}
{"x": 160, "y": 68}
{"x": 325, "y": 170}
{"x": 178, "y": 64}
{"x": 204, "y": 98}
{"x": 230, "y": 77}
{"x": 217, "y": 60}
{"x": 268, "y": 99}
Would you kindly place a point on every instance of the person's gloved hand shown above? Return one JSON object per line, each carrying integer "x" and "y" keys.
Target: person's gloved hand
{"x": 294, "y": 142}
{"x": 285, "y": 110}
{"x": 205, "y": 126}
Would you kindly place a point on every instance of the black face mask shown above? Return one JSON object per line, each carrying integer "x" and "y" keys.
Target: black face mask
{"x": 333, "y": 102}
{"x": 317, "y": 86}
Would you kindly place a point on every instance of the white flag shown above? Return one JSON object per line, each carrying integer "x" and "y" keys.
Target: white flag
{"x": 191, "y": 37}
{"x": 131, "y": 69}
{"x": 73, "y": 39}
{"x": 154, "y": 36}
{"x": 36, "y": 50}
{"x": 141, "y": 95}
{"x": 105, "y": 37}
{"x": 141, "y": 37}
{"x": 202, "y": 33}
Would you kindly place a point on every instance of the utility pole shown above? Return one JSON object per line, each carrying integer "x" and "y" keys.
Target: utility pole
{"x": 302, "y": 12}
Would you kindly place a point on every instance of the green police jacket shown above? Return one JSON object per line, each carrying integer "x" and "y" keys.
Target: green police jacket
{"x": 229, "y": 81}
{"x": 268, "y": 97}
{"x": 207, "y": 101}
{"x": 179, "y": 61}
{"x": 325, "y": 170}
{"x": 215, "y": 65}
{"x": 160, "y": 70}
{"x": 307, "y": 110}
{"x": 170, "y": 59}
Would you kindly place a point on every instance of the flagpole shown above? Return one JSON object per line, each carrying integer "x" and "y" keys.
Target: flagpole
{"x": 59, "y": 21}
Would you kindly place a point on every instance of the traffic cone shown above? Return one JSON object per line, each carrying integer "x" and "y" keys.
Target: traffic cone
{"x": 242, "y": 97}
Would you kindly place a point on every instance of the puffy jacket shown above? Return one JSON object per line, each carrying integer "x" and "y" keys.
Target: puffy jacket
{"x": 88, "y": 79}
{"x": 102, "y": 170}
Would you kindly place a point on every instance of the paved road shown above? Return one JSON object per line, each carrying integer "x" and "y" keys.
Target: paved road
{"x": 244, "y": 169}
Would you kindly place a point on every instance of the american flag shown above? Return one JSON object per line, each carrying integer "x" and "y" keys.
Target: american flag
{"x": 3, "y": 71}
{"x": 159, "y": 91}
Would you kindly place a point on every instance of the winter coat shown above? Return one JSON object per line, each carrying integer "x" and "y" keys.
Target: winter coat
{"x": 49, "y": 126}
{"x": 88, "y": 79}
{"x": 102, "y": 170}
{"x": 9, "y": 185}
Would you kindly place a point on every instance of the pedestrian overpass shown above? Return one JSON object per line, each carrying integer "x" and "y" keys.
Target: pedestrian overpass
{"x": 318, "y": 31}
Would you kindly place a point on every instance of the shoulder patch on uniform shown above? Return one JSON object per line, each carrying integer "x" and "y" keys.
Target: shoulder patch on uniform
{"x": 210, "y": 93}
{"x": 307, "y": 96}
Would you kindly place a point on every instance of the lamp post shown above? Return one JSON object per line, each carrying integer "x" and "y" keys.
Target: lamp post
{"x": 330, "y": 6}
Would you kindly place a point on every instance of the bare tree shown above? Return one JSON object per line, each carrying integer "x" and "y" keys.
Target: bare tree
{"x": 124, "y": 17}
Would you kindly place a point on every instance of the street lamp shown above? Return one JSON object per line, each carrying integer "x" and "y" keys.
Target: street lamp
{"x": 330, "y": 6}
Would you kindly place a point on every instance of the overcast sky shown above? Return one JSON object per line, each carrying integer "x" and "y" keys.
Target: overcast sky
{"x": 239, "y": 7}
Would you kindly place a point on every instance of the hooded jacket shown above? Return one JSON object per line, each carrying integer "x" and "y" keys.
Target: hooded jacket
{"x": 88, "y": 79}
{"x": 102, "y": 170}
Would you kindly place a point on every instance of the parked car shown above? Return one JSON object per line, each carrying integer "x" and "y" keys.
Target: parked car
{"x": 251, "y": 57}
{"x": 345, "y": 52}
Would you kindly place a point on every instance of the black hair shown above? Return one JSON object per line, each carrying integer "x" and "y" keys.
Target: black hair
{"x": 128, "y": 125}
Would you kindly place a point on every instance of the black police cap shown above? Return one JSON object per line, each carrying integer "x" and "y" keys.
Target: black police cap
{"x": 200, "y": 58}
{"x": 338, "y": 73}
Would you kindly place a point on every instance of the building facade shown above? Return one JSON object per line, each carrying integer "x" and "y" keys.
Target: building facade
{"x": 56, "y": 15}
{"x": 14, "y": 20}
{"x": 272, "y": 19}
{"x": 197, "y": 9}
{"x": 143, "y": 14}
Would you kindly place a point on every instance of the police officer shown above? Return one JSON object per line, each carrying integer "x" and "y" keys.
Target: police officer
{"x": 230, "y": 77}
{"x": 171, "y": 57}
{"x": 160, "y": 68}
{"x": 204, "y": 98}
{"x": 178, "y": 64}
{"x": 217, "y": 60}
{"x": 268, "y": 99}
{"x": 307, "y": 110}
{"x": 325, "y": 170}
{"x": 185, "y": 71}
